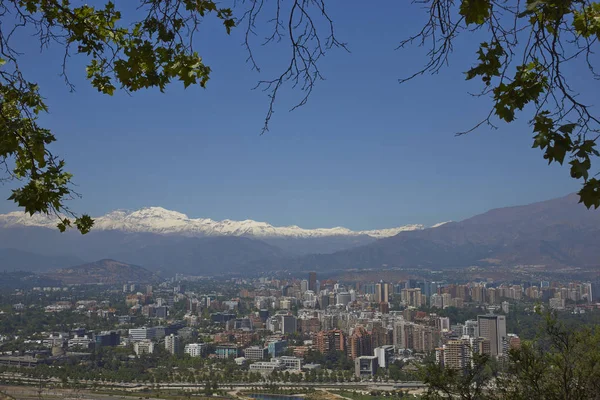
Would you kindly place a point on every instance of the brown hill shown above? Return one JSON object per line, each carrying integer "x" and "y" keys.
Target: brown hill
{"x": 103, "y": 271}
{"x": 558, "y": 232}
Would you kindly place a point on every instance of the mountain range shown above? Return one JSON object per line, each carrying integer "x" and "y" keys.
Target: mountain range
{"x": 161, "y": 221}
{"x": 558, "y": 232}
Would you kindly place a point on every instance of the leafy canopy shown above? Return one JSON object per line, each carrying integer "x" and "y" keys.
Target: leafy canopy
{"x": 149, "y": 53}
{"x": 522, "y": 66}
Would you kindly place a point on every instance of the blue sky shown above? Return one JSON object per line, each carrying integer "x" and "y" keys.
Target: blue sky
{"x": 364, "y": 153}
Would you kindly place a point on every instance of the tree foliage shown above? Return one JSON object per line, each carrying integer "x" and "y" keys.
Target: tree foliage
{"x": 150, "y": 52}
{"x": 561, "y": 363}
{"x": 523, "y": 63}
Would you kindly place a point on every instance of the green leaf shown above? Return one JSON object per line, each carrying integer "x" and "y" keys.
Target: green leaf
{"x": 589, "y": 194}
{"x": 568, "y": 128}
{"x": 475, "y": 11}
{"x": 579, "y": 169}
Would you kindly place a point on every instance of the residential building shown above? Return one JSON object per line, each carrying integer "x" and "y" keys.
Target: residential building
{"x": 172, "y": 343}
{"x": 332, "y": 340}
{"x": 411, "y": 297}
{"x": 360, "y": 342}
{"x": 195, "y": 349}
{"x": 456, "y": 354}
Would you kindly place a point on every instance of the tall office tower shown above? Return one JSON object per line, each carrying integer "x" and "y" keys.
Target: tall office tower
{"x": 493, "y": 328}
{"x": 312, "y": 281}
{"x": 379, "y": 292}
{"x": 289, "y": 324}
{"x": 303, "y": 285}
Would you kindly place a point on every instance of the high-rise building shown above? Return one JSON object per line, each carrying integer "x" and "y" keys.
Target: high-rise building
{"x": 303, "y": 285}
{"x": 288, "y": 324}
{"x": 411, "y": 297}
{"x": 446, "y": 300}
{"x": 399, "y": 339}
{"x": 470, "y": 328}
{"x": 491, "y": 296}
{"x": 324, "y": 301}
{"x": 344, "y": 298}
{"x": 382, "y": 292}
{"x": 456, "y": 354}
{"x": 256, "y": 353}
{"x": 332, "y": 340}
{"x": 435, "y": 301}
{"x": 195, "y": 349}
{"x": 595, "y": 289}
{"x": 312, "y": 281}
{"x": 142, "y": 333}
{"x": 108, "y": 338}
{"x": 172, "y": 343}
{"x": 493, "y": 328}
{"x": 381, "y": 335}
{"x": 360, "y": 343}
{"x": 384, "y": 354}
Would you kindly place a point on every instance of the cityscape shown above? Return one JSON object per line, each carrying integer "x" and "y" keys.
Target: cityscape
{"x": 305, "y": 332}
{"x": 299, "y": 200}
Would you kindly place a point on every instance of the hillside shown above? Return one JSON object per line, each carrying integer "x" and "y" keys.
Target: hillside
{"x": 12, "y": 259}
{"x": 556, "y": 232}
{"x": 204, "y": 256}
{"x": 103, "y": 271}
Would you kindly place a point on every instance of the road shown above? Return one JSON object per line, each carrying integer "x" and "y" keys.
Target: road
{"x": 136, "y": 386}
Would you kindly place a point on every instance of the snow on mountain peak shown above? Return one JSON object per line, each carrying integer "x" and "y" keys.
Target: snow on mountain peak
{"x": 162, "y": 221}
{"x": 440, "y": 224}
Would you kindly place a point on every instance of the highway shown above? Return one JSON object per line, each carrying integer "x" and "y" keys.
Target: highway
{"x": 138, "y": 386}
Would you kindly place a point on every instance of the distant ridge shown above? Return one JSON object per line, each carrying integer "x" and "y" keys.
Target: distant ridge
{"x": 102, "y": 271}
{"x": 558, "y": 232}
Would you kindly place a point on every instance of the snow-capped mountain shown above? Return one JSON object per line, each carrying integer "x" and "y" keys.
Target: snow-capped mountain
{"x": 161, "y": 221}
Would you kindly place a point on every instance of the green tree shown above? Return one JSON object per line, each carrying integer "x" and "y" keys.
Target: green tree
{"x": 150, "y": 52}
{"x": 446, "y": 383}
{"x": 523, "y": 62}
{"x": 563, "y": 362}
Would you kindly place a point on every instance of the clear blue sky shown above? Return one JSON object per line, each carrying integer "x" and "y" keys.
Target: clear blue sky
{"x": 364, "y": 153}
